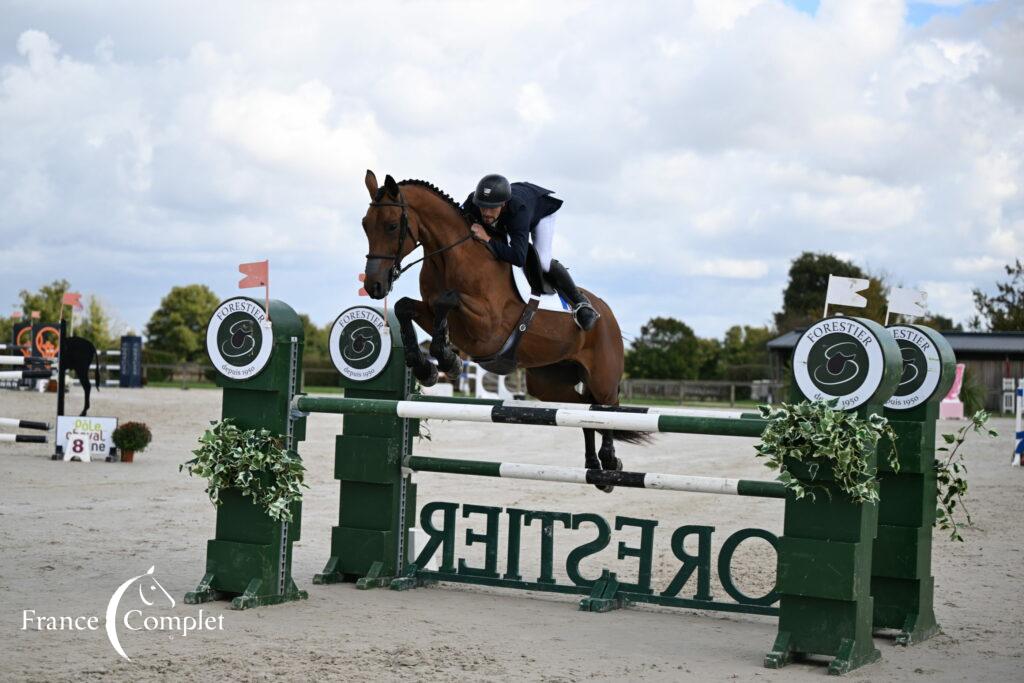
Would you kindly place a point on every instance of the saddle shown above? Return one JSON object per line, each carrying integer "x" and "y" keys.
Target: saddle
{"x": 504, "y": 361}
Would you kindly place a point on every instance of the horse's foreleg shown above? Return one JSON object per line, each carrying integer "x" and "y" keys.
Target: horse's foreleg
{"x": 447, "y": 360}
{"x": 406, "y": 310}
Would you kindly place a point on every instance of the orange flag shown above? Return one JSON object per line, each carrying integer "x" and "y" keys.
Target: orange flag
{"x": 16, "y": 315}
{"x": 72, "y": 299}
{"x": 362, "y": 278}
{"x": 256, "y": 274}
{"x": 35, "y": 315}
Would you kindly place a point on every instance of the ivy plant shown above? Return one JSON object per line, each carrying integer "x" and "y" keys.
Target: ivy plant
{"x": 252, "y": 461}
{"x": 827, "y": 441}
{"x": 949, "y": 472}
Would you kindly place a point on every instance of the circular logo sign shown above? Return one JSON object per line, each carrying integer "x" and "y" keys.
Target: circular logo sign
{"x": 360, "y": 343}
{"x": 239, "y": 339}
{"x": 838, "y": 358}
{"x": 922, "y": 368}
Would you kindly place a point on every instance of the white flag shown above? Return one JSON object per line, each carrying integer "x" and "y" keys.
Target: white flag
{"x": 908, "y": 301}
{"x": 842, "y": 291}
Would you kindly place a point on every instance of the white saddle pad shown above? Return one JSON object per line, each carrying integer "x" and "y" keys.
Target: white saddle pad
{"x": 547, "y": 303}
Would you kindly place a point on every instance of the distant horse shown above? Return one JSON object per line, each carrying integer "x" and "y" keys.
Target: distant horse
{"x": 77, "y": 354}
{"x": 468, "y": 293}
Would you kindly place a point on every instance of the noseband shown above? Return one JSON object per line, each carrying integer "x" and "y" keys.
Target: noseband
{"x": 403, "y": 231}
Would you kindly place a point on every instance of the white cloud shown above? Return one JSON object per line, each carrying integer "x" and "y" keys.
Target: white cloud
{"x": 699, "y": 147}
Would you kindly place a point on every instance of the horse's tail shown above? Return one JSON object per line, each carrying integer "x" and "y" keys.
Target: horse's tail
{"x": 635, "y": 438}
{"x": 96, "y": 355}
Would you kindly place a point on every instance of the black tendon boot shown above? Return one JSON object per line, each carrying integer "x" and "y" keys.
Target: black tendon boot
{"x": 582, "y": 312}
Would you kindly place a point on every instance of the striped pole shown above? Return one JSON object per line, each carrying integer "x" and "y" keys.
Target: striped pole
{"x": 579, "y": 475}
{"x": 24, "y": 424}
{"x": 23, "y": 438}
{"x": 14, "y": 360}
{"x": 26, "y": 374}
{"x": 656, "y": 410}
{"x": 552, "y": 417}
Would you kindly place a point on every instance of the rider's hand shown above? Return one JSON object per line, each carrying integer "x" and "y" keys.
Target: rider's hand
{"x": 479, "y": 233}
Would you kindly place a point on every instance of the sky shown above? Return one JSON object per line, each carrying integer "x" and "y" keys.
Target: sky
{"x": 699, "y": 146}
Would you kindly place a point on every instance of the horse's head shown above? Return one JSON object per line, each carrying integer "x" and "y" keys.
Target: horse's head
{"x": 387, "y": 228}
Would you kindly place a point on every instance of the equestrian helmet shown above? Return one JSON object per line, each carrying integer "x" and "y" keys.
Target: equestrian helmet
{"x": 492, "y": 191}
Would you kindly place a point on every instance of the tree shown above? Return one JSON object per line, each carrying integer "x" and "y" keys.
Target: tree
{"x": 317, "y": 339}
{"x": 665, "y": 349}
{"x": 1003, "y": 312}
{"x": 745, "y": 352}
{"x": 179, "y": 325}
{"x": 803, "y": 300}
{"x": 95, "y": 325}
{"x": 708, "y": 358}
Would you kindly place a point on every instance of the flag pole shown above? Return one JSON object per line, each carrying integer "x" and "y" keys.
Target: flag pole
{"x": 266, "y": 291}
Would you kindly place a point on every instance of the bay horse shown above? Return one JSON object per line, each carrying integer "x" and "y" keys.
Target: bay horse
{"x": 470, "y": 298}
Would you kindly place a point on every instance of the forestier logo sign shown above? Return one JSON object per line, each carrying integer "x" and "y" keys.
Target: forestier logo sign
{"x": 838, "y": 358}
{"x": 239, "y": 339}
{"x": 922, "y": 368}
{"x": 360, "y": 343}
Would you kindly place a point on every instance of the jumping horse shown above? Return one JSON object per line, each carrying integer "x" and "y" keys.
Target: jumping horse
{"x": 470, "y": 299}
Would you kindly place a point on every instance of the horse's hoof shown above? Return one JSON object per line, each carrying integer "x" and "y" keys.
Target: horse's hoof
{"x": 608, "y": 488}
{"x": 610, "y": 462}
{"x": 451, "y": 367}
{"x": 426, "y": 376}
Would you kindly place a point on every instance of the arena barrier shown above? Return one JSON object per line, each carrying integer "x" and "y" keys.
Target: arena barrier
{"x": 844, "y": 570}
{"x": 23, "y": 424}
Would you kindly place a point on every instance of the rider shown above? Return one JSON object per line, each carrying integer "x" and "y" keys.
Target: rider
{"x": 512, "y": 212}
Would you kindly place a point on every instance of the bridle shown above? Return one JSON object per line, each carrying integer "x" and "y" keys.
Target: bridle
{"x": 403, "y": 232}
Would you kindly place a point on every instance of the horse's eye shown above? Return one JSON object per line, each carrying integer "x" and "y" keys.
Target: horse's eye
{"x": 392, "y": 227}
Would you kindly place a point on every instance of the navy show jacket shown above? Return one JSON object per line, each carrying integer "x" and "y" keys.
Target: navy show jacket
{"x": 510, "y": 236}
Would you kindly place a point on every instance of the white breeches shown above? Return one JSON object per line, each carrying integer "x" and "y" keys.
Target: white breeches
{"x": 543, "y": 235}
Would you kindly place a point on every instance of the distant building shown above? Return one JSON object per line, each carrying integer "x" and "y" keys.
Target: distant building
{"x": 989, "y": 357}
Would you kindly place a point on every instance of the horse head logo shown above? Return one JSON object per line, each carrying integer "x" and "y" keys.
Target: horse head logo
{"x": 840, "y": 365}
{"x": 910, "y": 369}
{"x": 150, "y": 591}
{"x": 361, "y": 345}
{"x": 241, "y": 341}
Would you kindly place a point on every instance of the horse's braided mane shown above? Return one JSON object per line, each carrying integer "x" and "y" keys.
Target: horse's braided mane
{"x": 436, "y": 190}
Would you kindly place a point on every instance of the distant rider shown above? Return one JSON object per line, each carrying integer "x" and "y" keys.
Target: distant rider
{"x": 512, "y": 213}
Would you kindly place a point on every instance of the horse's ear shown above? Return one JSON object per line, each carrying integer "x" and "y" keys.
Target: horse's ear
{"x": 390, "y": 186}
{"x": 371, "y": 183}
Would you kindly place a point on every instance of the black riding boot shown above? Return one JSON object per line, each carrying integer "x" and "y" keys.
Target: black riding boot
{"x": 582, "y": 312}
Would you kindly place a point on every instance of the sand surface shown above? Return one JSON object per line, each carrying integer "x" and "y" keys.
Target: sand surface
{"x": 71, "y": 533}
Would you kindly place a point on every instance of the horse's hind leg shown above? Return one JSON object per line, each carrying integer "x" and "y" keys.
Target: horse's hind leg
{"x": 83, "y": 377}
{"x": 607, "y": 452}
{"x": 557, "y": 383}
{"x": 447, "y": 360}
{"x": 406, "y": 310}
